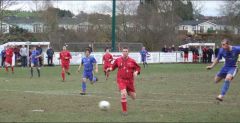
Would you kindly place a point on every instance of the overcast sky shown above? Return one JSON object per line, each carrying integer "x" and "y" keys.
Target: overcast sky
{"x": 210, "y": 8}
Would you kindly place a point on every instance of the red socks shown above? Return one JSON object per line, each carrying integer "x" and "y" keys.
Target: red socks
{"x": 63, "y": 76}
{"x": 124, "y": 104}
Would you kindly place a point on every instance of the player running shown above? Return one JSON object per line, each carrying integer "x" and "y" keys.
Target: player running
{"x": 35, "y": 61}
{"x": 107, "y": 59}
{"x": 65, "y": 57}
{"x": 88, "y": 62}
{"x": 127, "y": 70}
{"x": 8, "y": 61}
{"x": 230, "y": 69}
{"x": 144, "y": 54}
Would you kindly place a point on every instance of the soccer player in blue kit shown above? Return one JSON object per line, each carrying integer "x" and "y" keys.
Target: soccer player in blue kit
{"x": 143, "y": 54}
{"x": 230, "y": 69}
{"x": 88, "y": 62}
{"x": 35, "y": 61}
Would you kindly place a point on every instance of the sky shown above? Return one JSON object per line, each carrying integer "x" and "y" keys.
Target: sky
{"x": 210, "y": 8}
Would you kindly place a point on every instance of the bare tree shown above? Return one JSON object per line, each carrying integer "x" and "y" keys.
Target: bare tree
{"x": 4, "y": 4}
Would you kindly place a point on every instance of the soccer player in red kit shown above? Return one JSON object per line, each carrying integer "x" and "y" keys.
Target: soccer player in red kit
{"x": 8, "y": 60}
{"x": 127, "y": 70}
{"x": 65, "y": 57}
{"x": 107, "y": 59}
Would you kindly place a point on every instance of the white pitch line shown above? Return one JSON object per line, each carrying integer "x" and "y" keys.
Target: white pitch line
{"x": 140, "y": 99}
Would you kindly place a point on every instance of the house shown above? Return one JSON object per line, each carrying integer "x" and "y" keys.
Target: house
{"x": 197, "y": 26}
{"x": 31, "y": 24}
{"x": 4, "y": 27}
{"x": 206, "y": 26}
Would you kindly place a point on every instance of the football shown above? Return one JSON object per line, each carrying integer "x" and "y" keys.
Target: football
{"x": 104, "y": 105}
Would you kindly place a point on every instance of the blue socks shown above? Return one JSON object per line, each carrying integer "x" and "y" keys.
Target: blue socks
{"x": 225, "y": 87}
{"x": 84, "y": 86}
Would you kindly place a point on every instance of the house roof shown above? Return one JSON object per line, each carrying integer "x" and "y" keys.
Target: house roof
{"x": 23, "y": 20}
{"x": 191, "y": 22}
{"x": 194, "y": 22}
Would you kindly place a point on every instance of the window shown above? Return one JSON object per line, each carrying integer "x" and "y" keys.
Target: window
{"x": 193, "y": 28}
{"x": 4, "y": 28}
{"x": 201, "y": 29}
{"x": 37, "y": 28}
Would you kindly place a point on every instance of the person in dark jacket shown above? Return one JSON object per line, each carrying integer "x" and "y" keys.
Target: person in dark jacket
{"x": 50, "y": 53}
{"x": 3, "y": 54}
{"x": 209, "y": 54}
{"x": 216, "y": 50}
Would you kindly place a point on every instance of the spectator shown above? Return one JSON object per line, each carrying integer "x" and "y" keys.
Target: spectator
{"x": 169, "y": 49}
{"x": 16, "y": 51}
{"x": 195, "y": 54}
{"x": 209, "y": 54}
{"x": 216, "y": 50}
{"x": 50, "y": 54}
{"x": 39, "y": 49}
{"x": 90, "y": 47}
{"x": 3, "y": 54}
{"x": 173, "y": 48}
{"x": 204, "y": 57}
{"x": 164, "y": 49}
{"x": 180, "y": 48}
{"x": 23, "y": 53}
{"x": 186, "y": 50}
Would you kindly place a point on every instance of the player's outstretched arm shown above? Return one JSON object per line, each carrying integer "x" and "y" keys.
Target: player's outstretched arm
{"x": 79, "y": 68}
{"x": 96, "y": 67}
{"x": 215, "y": 62}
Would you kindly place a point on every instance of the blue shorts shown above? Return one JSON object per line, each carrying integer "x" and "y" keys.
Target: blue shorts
{"x": 227, "y": 70}
{"x": 143, "y": 59}
{"x": 88, "y": 75}
{"x": 34, "y": 63}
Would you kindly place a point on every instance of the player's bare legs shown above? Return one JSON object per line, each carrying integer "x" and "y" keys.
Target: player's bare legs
{"x": 225, "y": 87}
{"x": 63, "y": 74}
{"x": 217, "y": 79}
{"x": 67, "y": 71}
{"x": 107, "y": 74}
{"x": 132, "y": 95}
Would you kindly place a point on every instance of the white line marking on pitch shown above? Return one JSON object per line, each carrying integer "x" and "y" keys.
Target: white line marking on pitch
{"x": 151, "y": 100}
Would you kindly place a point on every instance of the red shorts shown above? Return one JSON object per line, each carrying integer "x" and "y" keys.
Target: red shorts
{"x": 195, "y": 56}
{"x": 105, "y": 66}
{"x": 126, "y": 84}
{"x": 185, "y": 55}
{"x": 65, "y": 66}
{"x": 8, "y": 61}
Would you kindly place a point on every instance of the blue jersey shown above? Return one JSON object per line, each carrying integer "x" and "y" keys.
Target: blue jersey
{"x": 88, "y": 62}
{"x": 143, "y": 53}
{"x": 231, "y": 57}
{"x": 34, "y": 54}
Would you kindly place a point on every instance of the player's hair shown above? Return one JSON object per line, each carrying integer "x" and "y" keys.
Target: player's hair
{"x": 107, "y": 48}
{"x": 87, "y": 49}
{"x": 126, "y": 48}
{"x": 226, "y": 40}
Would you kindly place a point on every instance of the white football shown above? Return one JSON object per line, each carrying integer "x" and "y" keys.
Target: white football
{"x": 104, "y": 105}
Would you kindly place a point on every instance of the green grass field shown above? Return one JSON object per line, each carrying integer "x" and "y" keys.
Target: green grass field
{"x": 165, "y": 93}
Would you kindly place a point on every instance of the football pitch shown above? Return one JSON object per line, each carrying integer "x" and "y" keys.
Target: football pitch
{"x": 165, "y": 93}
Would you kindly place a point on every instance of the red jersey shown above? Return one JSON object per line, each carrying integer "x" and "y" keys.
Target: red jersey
{"x": 65, "y": 57}
{"x": 126, "y": 68}
{"x": 9, "y": 53}
{"x": 107, "y": 58}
